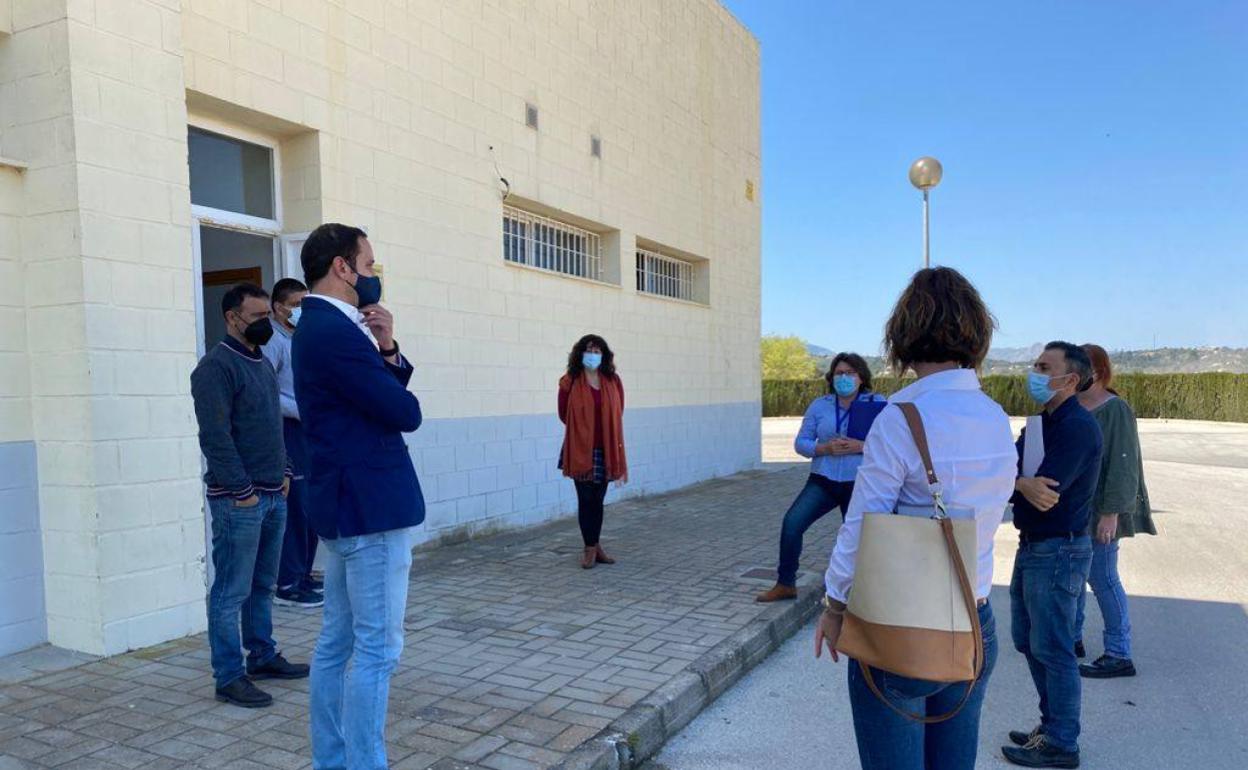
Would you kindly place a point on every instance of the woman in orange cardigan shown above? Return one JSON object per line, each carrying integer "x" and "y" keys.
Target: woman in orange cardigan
{"x": 591, "y": 406}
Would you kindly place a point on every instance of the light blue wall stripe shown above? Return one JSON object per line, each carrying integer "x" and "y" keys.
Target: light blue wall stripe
{"x": 486, "y": 472}
{"x": 23, "y": 623}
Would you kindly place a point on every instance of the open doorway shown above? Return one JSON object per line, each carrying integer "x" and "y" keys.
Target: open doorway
{"x": 229, "y": 257}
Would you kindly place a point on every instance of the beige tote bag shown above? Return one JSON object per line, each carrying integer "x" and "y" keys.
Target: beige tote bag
{"x": 912, "y": 608}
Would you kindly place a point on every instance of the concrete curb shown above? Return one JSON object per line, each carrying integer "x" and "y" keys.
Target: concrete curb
{"x": 640, "y": 732}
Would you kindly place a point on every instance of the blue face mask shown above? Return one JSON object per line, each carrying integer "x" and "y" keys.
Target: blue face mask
{"x": 368, "y": 289}
{"x": 294, "y": 315}
{"x": 591, "y": 361}
{"x": 1039, "y": 388}
{"x": 845, "y": 385}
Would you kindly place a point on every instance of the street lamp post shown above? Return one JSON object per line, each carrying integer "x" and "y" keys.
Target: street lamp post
{"x": 925, "y": 173}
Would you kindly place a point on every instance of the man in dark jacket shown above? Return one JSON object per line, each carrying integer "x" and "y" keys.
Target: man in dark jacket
{"x": 240, "y": 434}
{"x": 1051, "y": 511}
{"x": 351, "y": 387}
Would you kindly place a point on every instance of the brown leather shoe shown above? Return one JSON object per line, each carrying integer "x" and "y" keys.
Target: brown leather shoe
{"x": 777, "y": 593}
{"x": 601, "y": 555}
{"x": 589, "y": 557}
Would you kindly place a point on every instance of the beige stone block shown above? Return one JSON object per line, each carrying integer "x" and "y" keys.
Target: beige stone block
{"x": 50, "y": 190}
{"x": 254, "y": 56}
{"x": 14, "y": 375}
{"x": 231, "y": 14}
{"x": 124, "y": 195}
{"x": 67, "y": 508}
{"x": 142, "y": 286}
{"x": 147, "y": 460}
{"x": 116, "y": 328}
{"x": 136, "y": 20}
{"x": 54, "y": 282}
{"x": 61, "y": 462}
{"x": 273, "y": 28}
{"x": 109, "y": 237}
{"x": 159, "y": 71}
{"x": 129, "y": 106}
{"x": 148, "y": 374}
{"x": 12, "y": 330}
{"x": 56, "y": 329}
{"x": 124, "y": 506}
{"x": 70, "y": 420}
{"x": 34, "y": 13}
{"x": 122, "y": 417}
{"x": 138, "y": 550}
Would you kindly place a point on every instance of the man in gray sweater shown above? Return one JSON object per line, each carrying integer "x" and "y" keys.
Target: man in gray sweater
{"x": 240, "y": 434}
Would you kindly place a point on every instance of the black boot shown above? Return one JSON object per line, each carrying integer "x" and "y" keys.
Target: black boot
{"x": 278, "y": 668}
{"x": 1020, "y": 738}
{"x": 1040, "y": 753}
{"x": 241, "y": 692}
{"x": 1106, "y": 667}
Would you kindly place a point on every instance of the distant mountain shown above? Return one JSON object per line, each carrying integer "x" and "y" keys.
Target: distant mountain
{"x": 1016, "y": 355}
{"x": 1159, "y": 361}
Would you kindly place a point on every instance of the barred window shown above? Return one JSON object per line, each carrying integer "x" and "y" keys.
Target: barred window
{"x": 548, "y": 244}
{"x": 663, "y": 275}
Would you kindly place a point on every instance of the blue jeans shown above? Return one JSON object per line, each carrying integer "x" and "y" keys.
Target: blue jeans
{"x": 1111, "y": 598}
{"x": 365, "y": 600}
{"x": 246, "y": 546}
{"x": 1044, "y": 597}
{"x": 817, "y": 498}
{"x": 299, "y": 542}
{"x": 889, "y": 741}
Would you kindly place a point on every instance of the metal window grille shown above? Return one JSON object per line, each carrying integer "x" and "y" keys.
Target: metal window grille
{"x": 548, "y": 244}
{"x": 664, "y": 276}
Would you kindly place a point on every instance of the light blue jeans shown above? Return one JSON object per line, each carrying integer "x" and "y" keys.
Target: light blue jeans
{"x": 1111, "y": 598}
{"x": 365, "y": 599}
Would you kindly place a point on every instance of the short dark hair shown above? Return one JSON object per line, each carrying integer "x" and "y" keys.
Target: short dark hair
{"x": 233, "y": 298}
{"x": 576, "y": 367}
{"x": 285, "y": 287}
{"x": 1077, "y": 361}
{"x": 939, "y": 317}
{"x": 326, "y": 242}
{"x": 858, "y": 363}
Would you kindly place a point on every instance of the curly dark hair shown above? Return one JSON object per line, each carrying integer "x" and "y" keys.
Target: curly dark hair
{"x": 576, "y": 368}
{"x": 939, "y": 317}
{"x": 860, "y": 367}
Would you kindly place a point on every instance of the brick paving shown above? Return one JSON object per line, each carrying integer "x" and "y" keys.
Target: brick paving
{"x": 514, "y": 656}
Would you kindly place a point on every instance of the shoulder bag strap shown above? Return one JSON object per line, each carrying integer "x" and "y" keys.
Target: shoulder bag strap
{"x": 915, "y": 421}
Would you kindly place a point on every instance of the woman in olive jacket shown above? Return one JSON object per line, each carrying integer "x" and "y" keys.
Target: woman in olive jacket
{"x": 1120, "y": 509}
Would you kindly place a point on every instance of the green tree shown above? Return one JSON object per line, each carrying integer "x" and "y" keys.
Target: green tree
{"x": 786, "y": 358}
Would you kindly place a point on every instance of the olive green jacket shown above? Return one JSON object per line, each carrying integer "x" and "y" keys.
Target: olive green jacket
{"x": 1121, "y": 489}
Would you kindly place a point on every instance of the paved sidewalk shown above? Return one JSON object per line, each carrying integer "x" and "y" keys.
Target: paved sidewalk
{"x": 514, "y": 658}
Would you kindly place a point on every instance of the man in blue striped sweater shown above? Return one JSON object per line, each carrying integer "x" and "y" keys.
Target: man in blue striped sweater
{"x": 248, "y": 478}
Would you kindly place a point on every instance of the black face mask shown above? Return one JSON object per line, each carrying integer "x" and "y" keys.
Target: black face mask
{"x": 258, "y": 332}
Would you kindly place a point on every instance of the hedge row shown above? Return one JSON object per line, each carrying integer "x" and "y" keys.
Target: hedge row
{"x": 1208, "y": 396}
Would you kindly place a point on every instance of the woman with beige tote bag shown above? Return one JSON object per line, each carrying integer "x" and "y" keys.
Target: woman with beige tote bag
{"x": 920, "y": 625}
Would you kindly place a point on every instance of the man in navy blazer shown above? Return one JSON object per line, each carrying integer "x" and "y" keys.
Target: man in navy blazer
{"x": 363, "y": 495}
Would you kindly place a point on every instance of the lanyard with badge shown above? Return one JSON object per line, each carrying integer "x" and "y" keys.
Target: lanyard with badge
{"x": 841, "y": 432}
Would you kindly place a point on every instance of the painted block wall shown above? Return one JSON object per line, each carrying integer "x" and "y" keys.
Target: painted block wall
{"x": 399, "y": 117}
{"x": 419, "y": 107}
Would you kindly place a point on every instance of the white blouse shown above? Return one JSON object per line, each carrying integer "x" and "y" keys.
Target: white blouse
{"x": 972, "y": 449}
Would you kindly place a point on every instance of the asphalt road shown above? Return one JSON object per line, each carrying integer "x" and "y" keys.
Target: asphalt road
{"x": 1188, "y": 708}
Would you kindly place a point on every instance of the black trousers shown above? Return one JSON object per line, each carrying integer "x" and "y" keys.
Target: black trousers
{"x": 589, "y": 498}
{"x": 299, "y": 542}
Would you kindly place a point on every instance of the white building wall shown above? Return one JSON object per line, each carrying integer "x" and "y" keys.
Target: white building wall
{"x": 384, "y": 113}
{"x": 409, "y": 98}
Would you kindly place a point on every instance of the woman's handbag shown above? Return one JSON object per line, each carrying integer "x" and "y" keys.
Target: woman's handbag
{"x": 912, "y": 609}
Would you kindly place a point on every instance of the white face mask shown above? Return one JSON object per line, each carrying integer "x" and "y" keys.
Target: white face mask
{"x": 294, "y": 315}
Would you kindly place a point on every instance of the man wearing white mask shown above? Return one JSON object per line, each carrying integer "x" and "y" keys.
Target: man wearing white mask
{"x": 295, "y": 584}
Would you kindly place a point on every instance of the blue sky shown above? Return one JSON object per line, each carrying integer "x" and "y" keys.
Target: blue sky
{"x": 1095, "y": 154}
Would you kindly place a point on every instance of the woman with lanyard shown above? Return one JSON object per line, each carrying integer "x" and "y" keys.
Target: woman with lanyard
{"x": 832, "y": 435}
